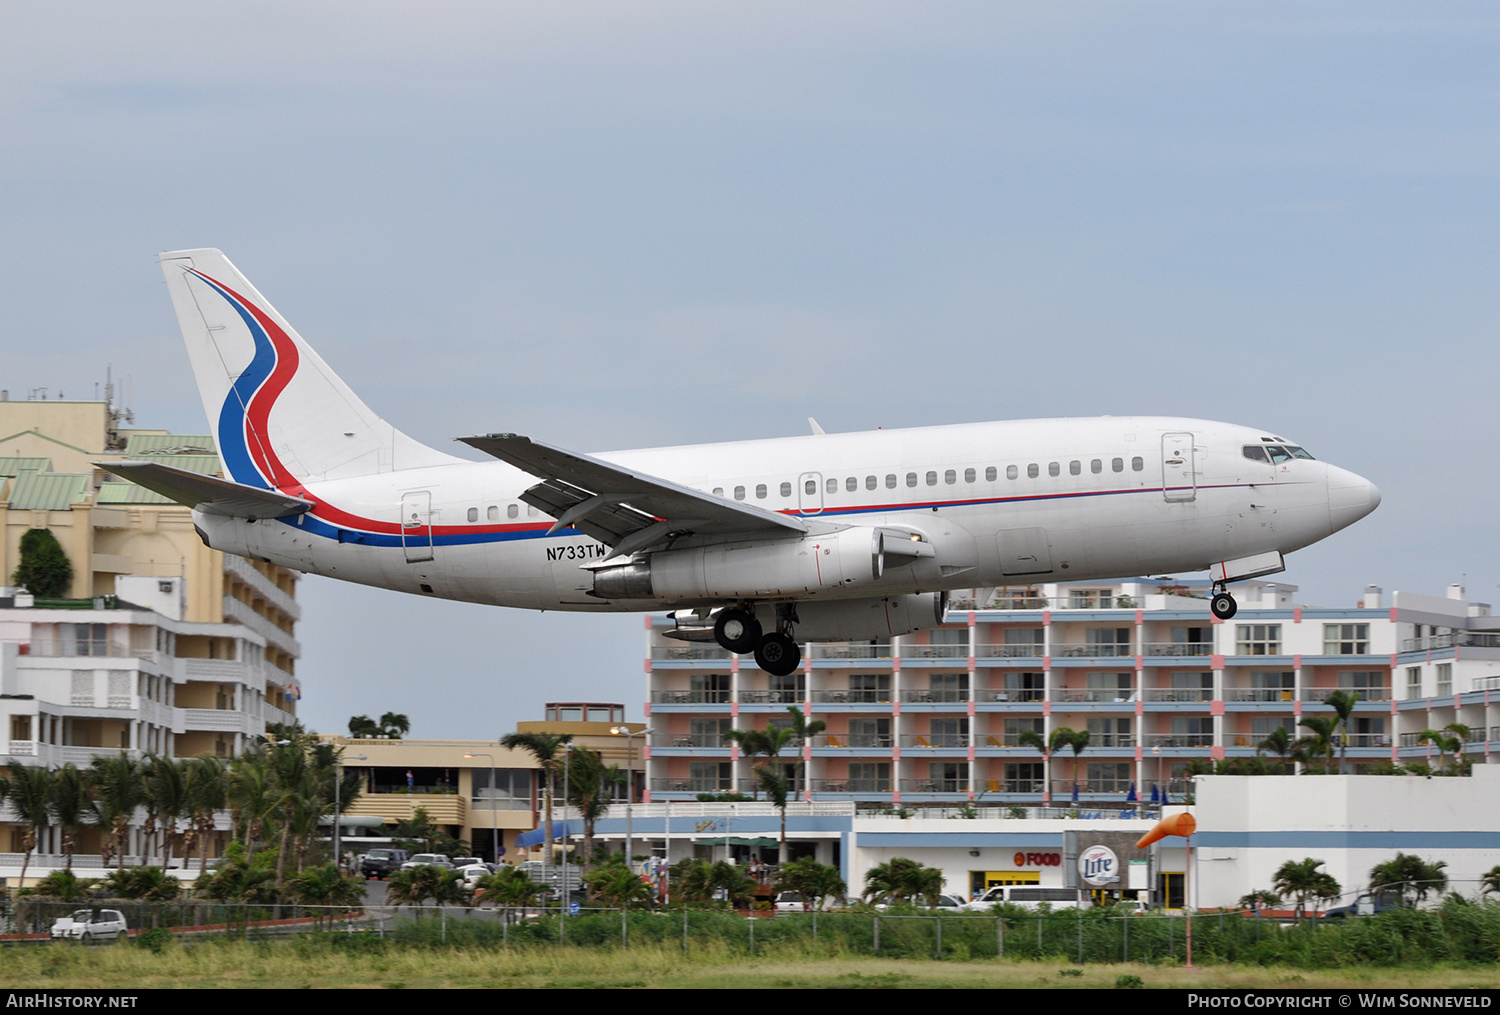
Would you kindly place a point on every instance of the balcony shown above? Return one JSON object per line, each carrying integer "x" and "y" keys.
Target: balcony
{"x": 1092, "y": 651}
{"x": 934, "y": 785}
{"x": 1013, "y": 694}
{"x": 1064, "y": 787}
{"x": 934, "y": 651}
{"x": 853, "y": 696}
{"x": 1180, "y": 740}
{"x": 850, "y": 785}
{"x": 691, "y": 785}
{"x": 1178, "y": 648}
{"x": 690, "y": 697}
{"x": 1179, "y": 694}
{"x": 688, "y": 651}
{"x": 715, "y": 740}
{"x": 936, "y": 695}
{"x": 843, "y": 650}
{"x": 1477, "y": 639}
{"x": 69, "y": 649}
{"x": 1258, "y": 694}
{"x": 1365, "y": 693}
{"x": 1094, "y": 694}
{"x": 868, "y": 741}
{"x": 1007, "y": 651}
{"x": 441, "y": 808}
{"x": 935, "y": 740}
{"x": 1112, "y": 740}
{"x": 219, "y": 720}
{"x": 1376, "y": 739}
{"x": 771, "y": 697}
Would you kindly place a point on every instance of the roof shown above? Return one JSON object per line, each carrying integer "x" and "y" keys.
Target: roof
{"x": 15, "y": 465}
{"x": 174, "y": 444}
{"x": 48, "y": 491}
{"x": 122, "y": 491}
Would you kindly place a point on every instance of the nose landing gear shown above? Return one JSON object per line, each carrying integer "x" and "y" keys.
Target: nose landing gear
{"x": 1222, "y": 605}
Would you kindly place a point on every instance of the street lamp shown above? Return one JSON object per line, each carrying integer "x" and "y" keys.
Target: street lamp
{"x": 494, "y": 801}
{"x": 629, "y": 735}
{"x": 338, "y": 784}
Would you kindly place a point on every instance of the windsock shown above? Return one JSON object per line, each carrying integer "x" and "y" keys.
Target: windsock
{"x": 1178, "y": 824}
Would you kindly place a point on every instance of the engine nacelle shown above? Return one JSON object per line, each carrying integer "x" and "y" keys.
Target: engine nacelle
{"x": 812, "y": 565}
{"x": 864, "y": 619}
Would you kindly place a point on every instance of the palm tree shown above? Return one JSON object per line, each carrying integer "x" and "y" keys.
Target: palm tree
{"x": 1491, "y": 881}
{"x": 1303, "y": 880}
{"x": 165, "y": 782}
{"x": 1342, "y": 703}
{"x": 1408, "y": 873}
{"x": 1062, "y": 737}
{"x": 252, "y": 796}
{"x": 1320, "y": 743}
{"x": 548, "y": 750}
{"x": 115, "y": 781}
{"x": 1278, "y": 742}
{"x": 776, "y": 791}
{"x": 900, "y": 880}
{"x": 394, "y": 725}
{"x": 509, "y": 886}
{"x": 752, "y": 743}
{"x": 1259, "y": 899}
{"x": 207, "y": 793}
{"x": 812, "y": 880}
{"x": 1448, "y": 740}
{"x": 71, "y": 806}
{"x": 30, "y": 795}
{"x": 590, "y": 783}
{"x": 803, "y": 731}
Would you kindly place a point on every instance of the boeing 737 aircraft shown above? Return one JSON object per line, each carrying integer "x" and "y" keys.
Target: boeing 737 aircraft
{"x": 755, "y": 544}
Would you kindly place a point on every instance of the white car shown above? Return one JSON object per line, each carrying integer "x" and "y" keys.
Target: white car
{"x": 1028, "y": 897}
{"x": 90, "y": 925}
{"x": 428, "y": 860}
{"x": 472, "y": 873}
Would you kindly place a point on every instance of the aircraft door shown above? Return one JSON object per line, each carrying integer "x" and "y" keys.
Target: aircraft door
{"x": 1179, "y": 475}
{"x": 416, "y": 526}
{"x": 810, "y": 493}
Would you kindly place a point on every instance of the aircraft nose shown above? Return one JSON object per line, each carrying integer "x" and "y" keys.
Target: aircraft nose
{"x": 1350, "y": 497}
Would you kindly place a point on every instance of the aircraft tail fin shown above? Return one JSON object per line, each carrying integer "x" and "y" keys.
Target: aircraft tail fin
{"x": 280, "y": 416}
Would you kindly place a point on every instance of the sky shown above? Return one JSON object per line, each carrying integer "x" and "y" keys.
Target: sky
{"x": 614, "y": 225}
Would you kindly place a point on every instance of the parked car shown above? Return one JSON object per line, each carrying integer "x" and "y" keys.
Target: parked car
{"x": 1028, "y": 897}
{"x": 382, "y": 863}
{"x": 473, "y": 872}
{"x": 1365, "y": 905}
{"x": 791, "y": 902}
{"x": 428, "y": 860}
{"x": 90, "y": 925}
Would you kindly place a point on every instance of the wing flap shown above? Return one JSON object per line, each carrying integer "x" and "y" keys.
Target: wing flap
{"x": 217, "y": 496}
{"x": 618, "y": 505}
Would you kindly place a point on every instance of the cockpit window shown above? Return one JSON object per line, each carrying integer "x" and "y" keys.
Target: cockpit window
{"x": 1255, "y": 453}
{"x": 1299, "y": 452}
{"x": 1278, "y": 454}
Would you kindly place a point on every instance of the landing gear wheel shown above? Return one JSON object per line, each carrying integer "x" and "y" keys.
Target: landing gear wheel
{"x": 1223, "y": 605}
{"x": 737, "y": 631}
{"x": 778, "y": 654}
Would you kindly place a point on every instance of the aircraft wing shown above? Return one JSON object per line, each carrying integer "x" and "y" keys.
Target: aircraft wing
{"x": 216, "y": 496}
{"x": 626, "y": 509}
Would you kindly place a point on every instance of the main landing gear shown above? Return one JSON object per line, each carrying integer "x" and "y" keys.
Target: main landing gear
{"x": 1222, "y": 605}
{"x": 736, "y": 630}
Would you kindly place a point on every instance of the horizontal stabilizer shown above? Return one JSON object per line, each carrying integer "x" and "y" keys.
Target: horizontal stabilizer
{"x": 216, "y": 496}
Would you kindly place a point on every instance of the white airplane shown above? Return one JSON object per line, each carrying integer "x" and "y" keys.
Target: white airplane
{"x": 753, "y": 544}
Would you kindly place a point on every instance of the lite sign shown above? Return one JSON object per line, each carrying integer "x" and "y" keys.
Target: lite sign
{"x": 1099, "y": 866}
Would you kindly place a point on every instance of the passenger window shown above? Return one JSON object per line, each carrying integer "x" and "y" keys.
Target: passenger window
{"x": 851, "y": 484}
{"x": 530, "y": 511}
{"x": 1096, "y": 466}
{"x": 739, "y": 493}
{"x": 492, "y": 513}
{"x": 1011, "y": 472}
{"x": 932, "y": 479}
{"x": 1074, "y": 468}
{"x": 473, "y": 514}
{"x": 969, "y": 476}
{"x": 890, "y": 481}
{"x": 760, "y": 491}
{"x": 1032, "y": 471}
{"x": 786, "y": 489}
{"x": 1053, "y": 468}
{"x": 871, "y": 482}
{"x": 511, "y": 511}
{"x": 811, "y": 487}
{"x": 911, "y": 479}
{"x": 1117, "y": 464}
{"x": 1255, "y": 453}
{"x": 831, "y": 485}
{"x": 1137, "y": 464}
{"x": 950, "y": 477}
{"x": 718, "y": 491}
{"x": 990, "y": 474}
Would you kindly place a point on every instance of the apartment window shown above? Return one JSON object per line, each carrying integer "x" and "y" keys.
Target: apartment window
{"x": 1346, "y": 639}
{"x": 706, "y": 732}
{"x": 1108, "y": 776}
{"x": 947, "y": 777}
{"x": 870, "y": 687}
{"x": 1110, "y": 731}
{"x": 1090, "y": 599}
{"x": 1444, "y": 679}
{"x": 1272, "y": 685}
{"x": 1015, "y": 727}
{"x": 20, "y": 727}
{"x": 1025, "y": 686}
{"x": 1414, "y": 681}
{"x": 706, "y": 776}
{"x": 948, "y": 733}
{"x": 1258, "y": 640}
{"x": 869, "y": 733}
{"x": 1193, "y": 686}
{"x": 949, "y": 687}
{"x": 1262, "y": 726}
{"x": 1024, "y": 777}
{"x": 710, "y": 688}
{"x": 1371, "y": 684}
{"x": 789, "y": 689}
{"x": 1110, "y": 686}
{"x": 869, "y": 777}
{"x": 90, "y": 640}
{"x": 1108, "y": 641}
